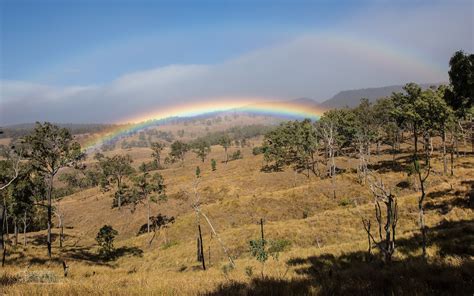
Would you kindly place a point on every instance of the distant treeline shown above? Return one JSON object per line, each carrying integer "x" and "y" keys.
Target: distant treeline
{"x": 21, "y": 130}
{"x": 238, "y": 134}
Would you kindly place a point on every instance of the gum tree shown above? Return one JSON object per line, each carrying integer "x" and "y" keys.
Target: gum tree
{"x": 49, "y": 149}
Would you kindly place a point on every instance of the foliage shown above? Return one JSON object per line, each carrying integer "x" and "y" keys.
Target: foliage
{"x": 50, "y": 148}
{"x": 258, "y": 150}
{"x": 292, "y": 143}
{"x": 157, "y": 222}
{"x": 157, "y": 148}
{"x": 201, "y": 148}
{"x": 198, "y": 172}
{"x": 461, "y": 75}
{"x": 105, "y": 239}
{"x": 236, "y": 155}
{"x": 178, "y": 151}
{"x": 213, "y": 164}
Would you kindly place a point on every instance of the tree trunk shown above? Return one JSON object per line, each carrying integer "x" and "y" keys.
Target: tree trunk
{"x": 388, "y": 235}
{"x": 15, "y": 231}
{"x": 148, "y": 215}
{"x": 452, "y": 159}
{"x": 201, "y": 248}
{"x": 333, "y": 174}
{"x": 50, "y": 191}
{"x": 422, "y": 225}
{"x": 2, "y": 217}
{"x": 5, "y": 219}
{"x": 415, "y": 138}
{"x": 421, "y": 213}
{"x": 445, "y": 161}
{"x": 61, "y": 229}
{"x": 119, "y": 187}
{"x": 24, "y": 230}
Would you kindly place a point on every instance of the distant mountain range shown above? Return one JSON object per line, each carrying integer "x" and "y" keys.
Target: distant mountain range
{"x": 351, "y": 98}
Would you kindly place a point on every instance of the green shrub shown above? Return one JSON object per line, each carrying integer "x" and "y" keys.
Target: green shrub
{"x": 344, "y": 202}
{"x": 236, "y": 155}
{"x": 105, "y": 239}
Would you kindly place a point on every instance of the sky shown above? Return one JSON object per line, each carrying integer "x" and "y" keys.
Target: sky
{"x": 109, "y": 61}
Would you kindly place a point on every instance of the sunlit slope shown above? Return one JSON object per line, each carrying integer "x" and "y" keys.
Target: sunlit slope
{"x": 238, "y": 194}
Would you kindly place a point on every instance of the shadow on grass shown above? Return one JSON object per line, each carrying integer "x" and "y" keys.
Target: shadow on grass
{"x": 93, "y": 258}
{"x": 450, "y": 238}
{"x": 352, "y": 274}
{"x": 385, "y": 166}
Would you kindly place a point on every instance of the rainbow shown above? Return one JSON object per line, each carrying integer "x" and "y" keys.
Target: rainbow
{"x": 360, "y": 48}
{"x": 283, "y": 109}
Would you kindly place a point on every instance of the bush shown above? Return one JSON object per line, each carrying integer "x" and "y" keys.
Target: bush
{"x": 236, "y": 155}
{"x": 344, "y": 202}
{"x": 213, "y": 164}
{"x": 257, "y": 150}
{"x": 105, "y": 239}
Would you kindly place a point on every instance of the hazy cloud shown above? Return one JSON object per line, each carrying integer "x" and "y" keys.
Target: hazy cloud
{"x": 380, "y": 47}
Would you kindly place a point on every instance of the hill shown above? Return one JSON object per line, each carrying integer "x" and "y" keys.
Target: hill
{"x": 351, "y": 98}
{"x": 324, "y": 242}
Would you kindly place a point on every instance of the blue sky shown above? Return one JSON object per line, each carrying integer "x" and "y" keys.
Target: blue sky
{"x": 95, "y": 41}
{"x": 105, "y": 60}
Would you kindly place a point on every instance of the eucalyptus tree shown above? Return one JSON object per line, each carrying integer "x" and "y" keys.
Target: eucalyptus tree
{"x": 405, "y": 111}
{"x": 365, "y": 134}
{"x": 460, "y": 94}
{"x": 157, "y": 148}
{"x": 201, "y": 148}
{"x": 294, "y": 144}
{"x": 150, "y": 188}
{"x": 114, "y": 169}
{"x": 50, "y": 148}
{"x": 225, "y": 142}
{"x": 435, "y": 115}
{"x": 9, "y": 171}
{"x": 387, "y": 129}
{"x": 178, "y": 151}
{"x": 461, "y": 76}
{"x": 336, "y": 128}
{"x": 21, "y": 195}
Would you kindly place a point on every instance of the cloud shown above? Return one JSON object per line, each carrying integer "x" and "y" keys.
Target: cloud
{"x": 380, "y": 47}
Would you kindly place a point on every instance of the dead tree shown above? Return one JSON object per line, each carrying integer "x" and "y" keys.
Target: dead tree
{"x": 422, "y": 176}
{"x": 196, "y": 205}
{"x": 327, "y": 130}
{"x": 65, "y": 268}
{"x": 386, "y": 237}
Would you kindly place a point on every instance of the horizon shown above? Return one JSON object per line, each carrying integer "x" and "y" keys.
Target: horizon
{"x": 95, "y": 62}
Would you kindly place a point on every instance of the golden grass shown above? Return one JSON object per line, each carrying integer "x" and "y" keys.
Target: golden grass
{"x": 234, "y": 197}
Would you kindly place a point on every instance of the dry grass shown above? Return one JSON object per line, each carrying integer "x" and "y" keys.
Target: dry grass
{"x": 325, "y": 234}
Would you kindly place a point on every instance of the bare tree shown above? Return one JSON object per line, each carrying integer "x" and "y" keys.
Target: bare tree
{"x": 196, "y": 205}
{"x": 328, "y": 132}
{"x": 386, "y": 238}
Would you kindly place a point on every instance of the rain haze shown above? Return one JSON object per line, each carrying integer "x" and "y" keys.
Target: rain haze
{"x": 105, "y": 62}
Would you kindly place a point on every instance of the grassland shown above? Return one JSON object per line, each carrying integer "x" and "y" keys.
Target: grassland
{"x": 327, "y": 251}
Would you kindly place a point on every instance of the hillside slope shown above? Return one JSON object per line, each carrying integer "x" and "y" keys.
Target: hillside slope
{"x": 298, "y": 211}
